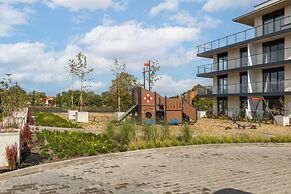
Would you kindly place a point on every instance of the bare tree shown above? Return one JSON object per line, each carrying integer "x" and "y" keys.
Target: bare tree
{"x": 78, "y": 68}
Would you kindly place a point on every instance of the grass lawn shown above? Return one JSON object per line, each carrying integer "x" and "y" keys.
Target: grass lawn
{"x": 52, "y": 120}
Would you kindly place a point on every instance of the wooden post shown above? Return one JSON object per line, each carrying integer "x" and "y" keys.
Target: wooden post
{"x": 166, "y": 109}
{"x": 140, "y": 105}
{"x": 182, "y": 109}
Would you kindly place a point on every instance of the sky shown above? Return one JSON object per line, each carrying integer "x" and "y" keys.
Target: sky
{"x": 38, "y": 37}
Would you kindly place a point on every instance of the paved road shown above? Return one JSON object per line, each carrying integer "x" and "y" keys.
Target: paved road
{"x": 257, "y": 168}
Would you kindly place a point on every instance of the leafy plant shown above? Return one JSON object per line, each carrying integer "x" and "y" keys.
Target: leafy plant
{"x": 110, "y": 130}
{"x": 165, "y": 132}
{"x": 26, "y": 135}
{"x": 52, "y": 120}
{"x": 127, "y": 133}
{"x": 55, "y": 145}
{"x": 11, "y": 156}
{"x": 187, "y": 133}
{"x": 150, "y": 133}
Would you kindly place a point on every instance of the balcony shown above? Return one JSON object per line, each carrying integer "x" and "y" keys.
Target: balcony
{"x": 253, "y": 61}
{"x": 255, "y": 88}
{"x": 271, "y": 28}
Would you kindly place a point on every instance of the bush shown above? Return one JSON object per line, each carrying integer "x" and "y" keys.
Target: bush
{"x": 110, "y": 130}
{"x": 127, "y": 133}
{"x": 165, "y": 132}
{"x": 150, "y": 133}
{"x": 52, "y": 120}
{"x": 63, "y": 145}
{"x": 187, "y": 133}
{"x": 11, "y": 156}
{"x": 26, "y": 135}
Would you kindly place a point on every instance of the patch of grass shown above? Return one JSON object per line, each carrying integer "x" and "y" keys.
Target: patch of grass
{"x": 55, "y": 145}
{"x": 187, "y": 133}
{"x": 127, "y": 133}
{"x": 52, "y": 120}
{"x": 110, "y": 130}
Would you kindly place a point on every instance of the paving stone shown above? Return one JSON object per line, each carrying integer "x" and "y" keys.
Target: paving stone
{"x": 219, "y": 169}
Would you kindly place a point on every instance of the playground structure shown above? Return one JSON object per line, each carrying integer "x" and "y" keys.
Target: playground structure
{"x": 251, "y": 113}
{"x": 152, "y": 108}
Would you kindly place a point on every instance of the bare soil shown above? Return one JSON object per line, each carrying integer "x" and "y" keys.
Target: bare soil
{"x": 205, "y": 126}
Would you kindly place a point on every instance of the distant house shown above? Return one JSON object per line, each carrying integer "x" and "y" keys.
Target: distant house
{"x": 48, "y": 101}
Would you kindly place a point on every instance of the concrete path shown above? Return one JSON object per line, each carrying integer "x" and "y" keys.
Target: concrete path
{"x": 249, "y": 168}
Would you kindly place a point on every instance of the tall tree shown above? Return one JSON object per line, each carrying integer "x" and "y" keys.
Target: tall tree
{"x": 12, "y": 96}
{"x": 120, "y": 90}
{"x": 78, "y": 68}
{"x": 153, "y": 70}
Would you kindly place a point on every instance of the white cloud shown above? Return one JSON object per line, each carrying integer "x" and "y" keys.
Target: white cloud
{"x": 168, "y": 86}
{"x": 167, "y": 5}
{"x": 88, "y": 86}
{"x": 10, "y": 17}
{"x": 107, "y": 20}
{"x": 77, "y": 5}
{"x": 220, "y": 5}
{"x": 31, "y": 62}
{"x": 186, "y": 19}
{"x": 132, "y": 43}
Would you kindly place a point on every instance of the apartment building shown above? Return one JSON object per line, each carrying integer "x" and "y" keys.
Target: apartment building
{"x": 254, "y": 62}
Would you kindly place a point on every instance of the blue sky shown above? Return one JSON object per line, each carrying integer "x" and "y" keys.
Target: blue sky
{"x": 38, "y": 37}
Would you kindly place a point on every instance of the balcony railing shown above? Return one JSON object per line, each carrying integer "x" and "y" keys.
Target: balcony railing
{"x": 258, "y": 31}
{"x": 245, "y": 88}
{"x": 257, "y": 59}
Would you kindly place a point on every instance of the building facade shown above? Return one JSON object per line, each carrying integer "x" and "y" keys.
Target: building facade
{"x": 254, "y": 62}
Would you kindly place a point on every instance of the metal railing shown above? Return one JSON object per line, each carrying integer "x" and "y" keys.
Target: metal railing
{"x": 261, "y": 113}
{"x": 258, "y": 31}
{"x": 257, "y": 59}
{"x": 245, "y": 88}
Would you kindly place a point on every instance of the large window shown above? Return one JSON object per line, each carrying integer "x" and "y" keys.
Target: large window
{"x": 244, "y": 57}
{"x": 273, "y": 51}
{"x": 222, "y": 106}
{"x": 222, "y": 84}
{"x": 243, "y": 82}
{"x": 222, "y": 61}
{"x": 273, "y": 22}
{"x": 273, "y": 80}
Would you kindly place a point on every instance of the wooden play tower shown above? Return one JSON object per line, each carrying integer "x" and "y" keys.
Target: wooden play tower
{"x": 152, "y": 108}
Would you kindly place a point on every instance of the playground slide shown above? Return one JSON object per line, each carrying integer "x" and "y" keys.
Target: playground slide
{"x": 127, "y": 113}
{"x": 189, "y": 110}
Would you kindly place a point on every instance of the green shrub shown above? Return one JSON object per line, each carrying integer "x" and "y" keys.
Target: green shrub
{"x": 186, "y": 133}
{"x": 52, "y": 120}
{"x": 110, "y": 130}
{"x": 164, "y": 132}
{"x": 62, "y": 145}
{"x": 127, "y": 133}
{"x": 150, "y": 133}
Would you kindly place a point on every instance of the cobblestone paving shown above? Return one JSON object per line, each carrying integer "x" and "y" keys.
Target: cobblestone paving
{"x": 257, "y": 168}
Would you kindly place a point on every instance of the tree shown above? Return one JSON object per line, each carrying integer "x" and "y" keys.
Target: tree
{"x": 202, "y": 103}
{"x": 89, "y": 99}
{"x": 119, "y": 94}
{"x": 78, "y": 68}
{"x": 35, "y": 98}
{"x": 13, "y": 97}
{"x": 153, "y": 73}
